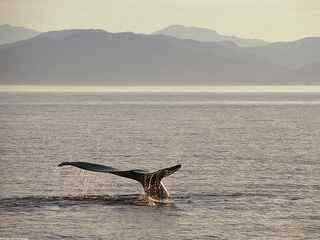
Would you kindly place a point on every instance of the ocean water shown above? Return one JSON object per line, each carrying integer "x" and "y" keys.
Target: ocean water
{"x": 250, "y": 165}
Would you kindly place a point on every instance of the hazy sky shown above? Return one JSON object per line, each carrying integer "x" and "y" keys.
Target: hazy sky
{"x": 267, "y": 19}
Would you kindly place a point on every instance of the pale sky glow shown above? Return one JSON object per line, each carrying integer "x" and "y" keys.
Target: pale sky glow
{"x": 271, "y": 20}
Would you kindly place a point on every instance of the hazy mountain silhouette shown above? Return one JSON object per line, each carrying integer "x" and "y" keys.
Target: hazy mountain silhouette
{"x": 207, "y": 35}
{"x": 100, "y": 57}
{"x": 9, "y": 34}
{"x": 293, "y": 55}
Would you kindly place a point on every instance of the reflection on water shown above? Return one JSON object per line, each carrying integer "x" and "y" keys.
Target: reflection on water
{"x": 250, "y": 165}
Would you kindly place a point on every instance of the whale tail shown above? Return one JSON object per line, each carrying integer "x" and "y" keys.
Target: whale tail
{"x": 151, "y": 181}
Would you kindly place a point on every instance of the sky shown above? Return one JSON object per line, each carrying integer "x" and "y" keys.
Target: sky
{"x": 271, "y": 20}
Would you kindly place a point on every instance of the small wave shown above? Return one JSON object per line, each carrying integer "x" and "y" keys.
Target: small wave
{"x": 32, "y": 202}
{"x": 222, "y": 195}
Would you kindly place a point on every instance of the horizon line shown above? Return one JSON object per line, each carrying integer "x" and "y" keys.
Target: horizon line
{"x": 159, "y": 89}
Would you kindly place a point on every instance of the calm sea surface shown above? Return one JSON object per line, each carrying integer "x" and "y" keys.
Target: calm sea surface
{"x": 250, "y": 165}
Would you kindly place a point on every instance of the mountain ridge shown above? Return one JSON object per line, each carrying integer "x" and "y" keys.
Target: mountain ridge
{"x": 9, "y": 33}
{"x": 207, "y": 35}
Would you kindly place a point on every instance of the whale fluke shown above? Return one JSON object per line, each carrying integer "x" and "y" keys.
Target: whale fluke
{"x": 151, "y": 181}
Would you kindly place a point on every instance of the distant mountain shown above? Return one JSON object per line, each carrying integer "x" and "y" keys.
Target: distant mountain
{"x": 100, "y": 57}
{"x": 292, "y": 55}
{"x": 207, "y": 35}
{"x": 9, "y": 34}
{"x": 308, "y": 74}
